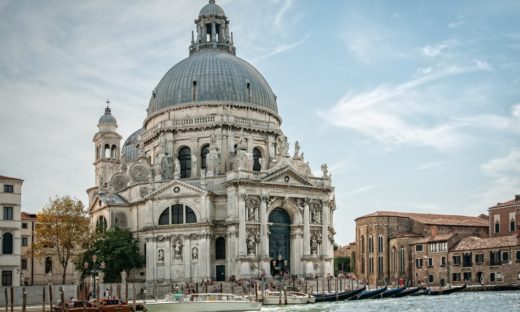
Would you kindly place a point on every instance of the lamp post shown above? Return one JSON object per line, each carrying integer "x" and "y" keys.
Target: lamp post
{"x": 95, "y": 269}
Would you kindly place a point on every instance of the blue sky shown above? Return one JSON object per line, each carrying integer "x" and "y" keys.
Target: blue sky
{"x": 414, "y": 105}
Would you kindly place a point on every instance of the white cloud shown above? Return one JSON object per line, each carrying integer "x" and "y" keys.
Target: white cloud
{"x": 438, "y": 49}
{"x": 456, "y": 24}
{"x": 507, "y": 165}
{"x": 383, "y": 112}
{"x": 281, "y": 14}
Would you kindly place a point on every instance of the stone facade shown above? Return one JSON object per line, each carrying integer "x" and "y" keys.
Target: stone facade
{"x": 504, "y": 218}
{"x": 384, "y": 241}
{"x": 208, "y": 184}
{"x": 10, "y": 230}
{"x": 488, "y": 261}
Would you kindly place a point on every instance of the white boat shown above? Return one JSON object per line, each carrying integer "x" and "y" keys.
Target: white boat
{"x": 202, "y": 302}
{"x": 293, "y": 297}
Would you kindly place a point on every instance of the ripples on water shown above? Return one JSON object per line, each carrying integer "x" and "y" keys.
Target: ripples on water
{"x": 459, "y": 302}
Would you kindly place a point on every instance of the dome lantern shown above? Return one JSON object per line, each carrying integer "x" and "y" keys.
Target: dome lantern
{"x": 212, "y": 30}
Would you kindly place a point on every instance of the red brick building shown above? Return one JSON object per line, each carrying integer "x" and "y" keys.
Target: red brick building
{"x": 504, "y": 218}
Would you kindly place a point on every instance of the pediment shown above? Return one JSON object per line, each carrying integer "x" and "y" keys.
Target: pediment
{"x": 177, "y": 188}
{"x": 107, "y": 199}
{"x": 286, "y": 175}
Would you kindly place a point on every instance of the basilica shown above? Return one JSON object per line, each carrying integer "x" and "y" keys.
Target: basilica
{"x": 208, "y": 184}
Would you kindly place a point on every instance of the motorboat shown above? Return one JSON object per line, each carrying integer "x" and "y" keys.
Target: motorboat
{"x": 202, "y": 302}
{"x": 293, "y": 297}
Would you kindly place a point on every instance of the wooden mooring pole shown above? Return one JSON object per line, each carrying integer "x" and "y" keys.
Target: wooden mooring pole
{"x": 24, "y": 299}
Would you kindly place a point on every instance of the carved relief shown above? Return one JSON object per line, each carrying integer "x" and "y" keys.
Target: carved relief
{"x": 119, "y": 181}
{"x": 160, "y": 255}
{"x": 139, "y": 173}
{"x": 194, "y": 253}
{"x": 177, "y": 249}
{"x": 252, "y": 207}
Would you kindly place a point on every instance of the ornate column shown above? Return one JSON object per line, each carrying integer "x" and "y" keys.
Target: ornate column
{"x": 325, "y": 229}
{"x": 306, "y": 228}
{"x": 242, "y": 224}
{"x": 264, "y": 245}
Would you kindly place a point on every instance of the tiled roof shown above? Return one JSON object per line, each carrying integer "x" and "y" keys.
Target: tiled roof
{"x": 473, "y": 242}
{"x": 401, "y": 234}
{"x": 26, "y": 215}
{"x": 513, "y": 201}
{"x": 436, "y": 238}
{"x": 433, "y": 219}
{"x": 2, "y": 177}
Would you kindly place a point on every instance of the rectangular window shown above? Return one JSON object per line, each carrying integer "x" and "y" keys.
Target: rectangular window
{"x": 492, "y": 277}
{"x": 418, "y": 247}
{"x": 24, "y": 264}
{"x": 24, "y": 225}
{"x": 466, "y": 259}
{"x": 430, "y": 278}
{"x": 505, "y": 256}
{"x": 455, "y": 277}
{"x": 497, "y": 227}
{"x": 518, "y": 255}
{"x": 24, "y": 241}
{"x": 8, "y": 213}
{"x": 456, "y": 260}
{"x": 380, "y": 264}
{"x": 467, "y": 276}
{"x": 430, "y": 262}
{"x": 418, "y": 263}
{"x": 443, "y": 262}
{"x": 401, "y": 260}
{"x": 8, "y": 188}
{"x": 479, "y": 258}
{"x": 7, "y": 278}
{"x": 494, "y": 258}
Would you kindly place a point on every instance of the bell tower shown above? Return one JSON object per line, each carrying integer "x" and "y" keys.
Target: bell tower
{"x": 107, "y": 148}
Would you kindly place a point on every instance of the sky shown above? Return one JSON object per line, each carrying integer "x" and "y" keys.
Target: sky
{"x": 414, "y": 105}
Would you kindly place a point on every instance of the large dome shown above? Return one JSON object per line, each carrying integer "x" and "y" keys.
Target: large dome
{"x": 212, "y": 72}
{"x": 212, "y": 75}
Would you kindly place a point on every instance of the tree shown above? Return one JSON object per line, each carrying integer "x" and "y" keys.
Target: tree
{"x": 117, "y": 248}
{"x": 61, "y": 231}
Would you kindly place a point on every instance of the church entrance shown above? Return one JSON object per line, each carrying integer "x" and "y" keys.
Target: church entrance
{"x": 279, "y": 241}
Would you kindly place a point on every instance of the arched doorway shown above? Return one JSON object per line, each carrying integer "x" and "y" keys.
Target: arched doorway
{"x": 280, "y": 239}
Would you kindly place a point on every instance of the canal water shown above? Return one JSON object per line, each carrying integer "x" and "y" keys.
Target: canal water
{"x": 459, "y": 302}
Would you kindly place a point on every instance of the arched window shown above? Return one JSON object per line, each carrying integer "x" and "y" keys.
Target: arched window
{"x": 101, "y": 224}
{"x": 185, "y": 162}
{"x": 370, "y": 244}
{"x": 7, "y": 244}
{"x": 497, "y": 227}
{"x": 164, "y": 218}
{"x": 48, "y": 265}
{"x": 362, "y": 265}
{"x": 394, "y": 260}
{"x": 106, "y": 153}
{"x": 190, "y": 215}
{"x": 257, "y": 155}
{"x": 113, "y": 152}
{"x": 512, "y": 225}
{"x": 401, "y": 260}
{"x": 220, "y": 248}
{"x": 362, "y": 244}
{"x": 180, "y": 214}
{"x": 203, "y": 155}
{"x": 380, "y": 242}
{"x": 177, "y": 214}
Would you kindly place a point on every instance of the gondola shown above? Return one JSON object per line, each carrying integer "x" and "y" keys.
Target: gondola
{"x": 407, "y": 292}
{"x": 369, "y": 294}
{"x": 446, "y": 291}
{"x": 389, "y": 293}
{"x": 324, "y": 297}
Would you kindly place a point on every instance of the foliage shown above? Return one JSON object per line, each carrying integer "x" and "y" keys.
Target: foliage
{"x": 342, "y": 264}
{"x": 117, "y": 248}
{"x": 62, "y": 228}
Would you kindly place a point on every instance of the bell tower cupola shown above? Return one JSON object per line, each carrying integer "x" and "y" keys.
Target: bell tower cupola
{"x": 212, "y": 30}
{"x": 107, "y": 148}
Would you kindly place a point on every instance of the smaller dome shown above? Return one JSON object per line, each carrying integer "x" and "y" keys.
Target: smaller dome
{"x": 212, "y": 9}
{"x": 107, "y": 118}
{"x": 129, "y": 150}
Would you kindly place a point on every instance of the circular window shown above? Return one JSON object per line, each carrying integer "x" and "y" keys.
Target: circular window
{"x": 176, "y": 189}
{"x": 286, "y": 178}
